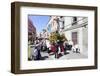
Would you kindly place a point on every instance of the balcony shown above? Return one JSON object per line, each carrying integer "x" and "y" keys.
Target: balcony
{"x": 77, "y": 24}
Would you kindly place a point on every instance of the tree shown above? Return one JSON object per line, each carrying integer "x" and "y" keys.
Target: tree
{"x": 63, "y": 38}
{"x": 55, "y": 36}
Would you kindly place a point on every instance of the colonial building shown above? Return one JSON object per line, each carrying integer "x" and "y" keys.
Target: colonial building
{"x": 74, "y": 28}
{"x": 56, "y": 23}
{"x": 52, "y": 24}
{"x": 31, "y": 31}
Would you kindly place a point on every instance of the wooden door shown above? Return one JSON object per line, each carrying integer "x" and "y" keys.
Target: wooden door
{"x": 74, "y": 38}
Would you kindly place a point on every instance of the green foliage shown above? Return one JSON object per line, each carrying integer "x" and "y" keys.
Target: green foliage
{"x": 56, "y": 36}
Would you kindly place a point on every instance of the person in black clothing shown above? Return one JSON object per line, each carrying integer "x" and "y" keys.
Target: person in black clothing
{"x": 57, "y": 49}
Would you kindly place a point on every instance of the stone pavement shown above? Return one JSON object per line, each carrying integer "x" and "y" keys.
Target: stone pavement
{"x": 71, "y": 55}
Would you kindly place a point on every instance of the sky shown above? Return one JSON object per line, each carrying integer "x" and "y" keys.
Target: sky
{"x": 39, "y": 22}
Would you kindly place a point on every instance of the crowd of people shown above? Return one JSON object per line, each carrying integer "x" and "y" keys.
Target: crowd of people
{"x": 58, "y": 48}
{"x": 52, "y": 42}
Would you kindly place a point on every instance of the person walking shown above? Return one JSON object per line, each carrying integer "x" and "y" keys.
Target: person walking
{"x": 38, "y": 52}
{"x": 57, "y": 50}
{"x": 65, "y": 46}
{"x": 35, "y": 53}
{"x": 48, "y": 45}
{"x": 70, "y": 44}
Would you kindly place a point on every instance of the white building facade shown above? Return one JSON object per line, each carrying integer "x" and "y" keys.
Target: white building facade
{"x": 74, "y": 28}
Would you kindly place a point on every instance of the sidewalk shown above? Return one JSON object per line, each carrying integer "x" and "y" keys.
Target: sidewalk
{"x": 71, "y": 55}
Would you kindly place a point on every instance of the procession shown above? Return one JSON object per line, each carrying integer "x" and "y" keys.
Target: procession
{"x": 52, "y": 42}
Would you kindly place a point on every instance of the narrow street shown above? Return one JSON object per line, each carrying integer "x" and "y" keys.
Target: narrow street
{"x": 58, "y": 35}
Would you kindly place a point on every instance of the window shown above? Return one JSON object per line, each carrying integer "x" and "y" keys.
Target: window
{"x": 74, "y": 21}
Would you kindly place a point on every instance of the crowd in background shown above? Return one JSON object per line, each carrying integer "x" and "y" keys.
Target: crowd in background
{"x": 58, "y": 48}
